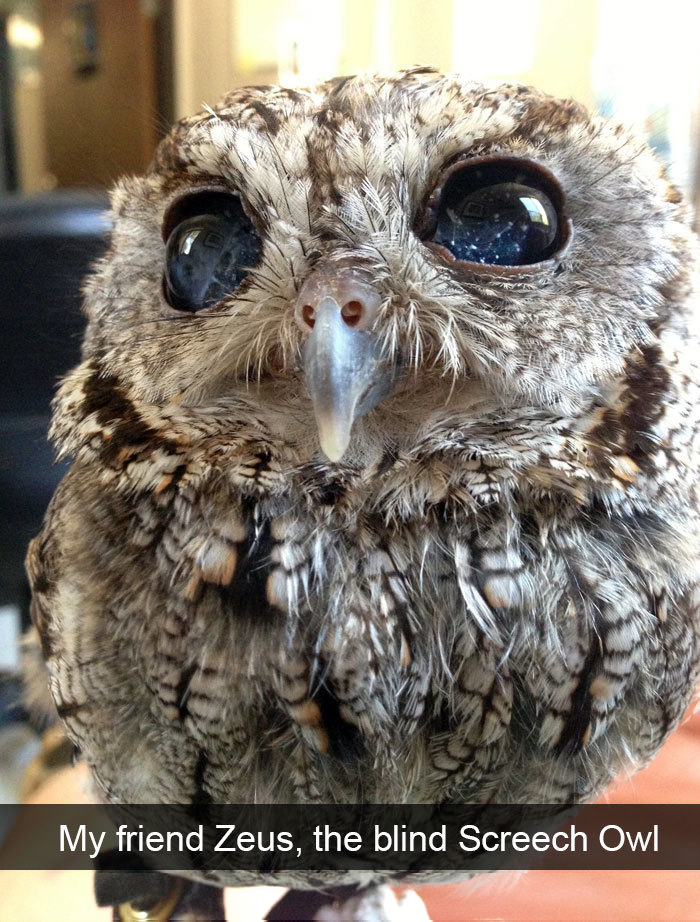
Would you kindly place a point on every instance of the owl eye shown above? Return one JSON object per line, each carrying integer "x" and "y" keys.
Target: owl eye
{"x": 499, "y": 212}
{"x": 210, "y": 244}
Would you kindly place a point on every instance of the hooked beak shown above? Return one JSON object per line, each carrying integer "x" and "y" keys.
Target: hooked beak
{"x": 346, "y": 375}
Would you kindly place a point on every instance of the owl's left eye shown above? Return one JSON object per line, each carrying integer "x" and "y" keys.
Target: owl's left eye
{"x": 210, "y": 244}
{"x": 498, "y": 211}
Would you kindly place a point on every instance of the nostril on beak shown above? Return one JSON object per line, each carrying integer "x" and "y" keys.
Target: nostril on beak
{"x": 308, "y": 316}
{"x": 348, "y": 290}
{"x": 353, "y": 312}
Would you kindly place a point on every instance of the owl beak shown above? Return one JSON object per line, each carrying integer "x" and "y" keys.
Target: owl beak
{"x": 346, "y": 375}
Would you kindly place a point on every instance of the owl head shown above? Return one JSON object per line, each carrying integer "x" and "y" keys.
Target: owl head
{"x": 364, "y": 259}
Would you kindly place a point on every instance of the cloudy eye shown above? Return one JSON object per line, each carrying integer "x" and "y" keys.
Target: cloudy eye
{"x": 499, "y": 212}
{"x": 211, "y": 243}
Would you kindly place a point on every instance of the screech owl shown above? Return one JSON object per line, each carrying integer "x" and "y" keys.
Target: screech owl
{"x": 385, "y": 456}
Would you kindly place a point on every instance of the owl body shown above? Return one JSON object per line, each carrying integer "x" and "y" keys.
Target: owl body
{"x": 492, "y": 594}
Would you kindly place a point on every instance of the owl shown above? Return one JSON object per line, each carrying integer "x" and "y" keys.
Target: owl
{"x": 385, "y": 457}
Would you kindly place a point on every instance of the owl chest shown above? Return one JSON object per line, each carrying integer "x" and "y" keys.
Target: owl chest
{"x": 363, "y": 645}
{"x": 304, "y": 574}
{"x": 321, "y": 614}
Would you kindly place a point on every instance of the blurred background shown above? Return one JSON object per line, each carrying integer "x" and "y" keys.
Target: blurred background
{"x": 88, "y": 86}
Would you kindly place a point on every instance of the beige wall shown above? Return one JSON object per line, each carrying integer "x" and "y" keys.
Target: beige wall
{"x": 30, "y": 133}
{"x": 565, "y": 43}
{"x": 203, "y": 60}
{"x": 217, "y": 39}
{"x": 422, "y": 33}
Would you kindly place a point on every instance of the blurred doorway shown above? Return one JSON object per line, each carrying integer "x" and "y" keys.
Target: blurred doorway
{"x": 107, "y": 78}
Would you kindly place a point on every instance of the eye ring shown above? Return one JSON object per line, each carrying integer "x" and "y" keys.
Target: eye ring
{"x": 175, "y": 210}
{"x": 544, "y": 181}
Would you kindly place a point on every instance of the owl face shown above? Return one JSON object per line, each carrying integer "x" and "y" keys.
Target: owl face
{"x": 364, "y": 257}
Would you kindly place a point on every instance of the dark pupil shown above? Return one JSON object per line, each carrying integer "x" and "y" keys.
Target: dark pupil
{"x": 207, "y": 254}
{"x": 501, "y": 223}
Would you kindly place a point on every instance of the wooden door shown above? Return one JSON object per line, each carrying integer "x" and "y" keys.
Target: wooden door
{"x": 102, "y": 64}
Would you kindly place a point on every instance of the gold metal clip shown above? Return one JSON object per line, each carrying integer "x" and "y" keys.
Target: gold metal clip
{"x": 159, "y": 912}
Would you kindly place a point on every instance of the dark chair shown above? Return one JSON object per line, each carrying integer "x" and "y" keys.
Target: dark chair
{"x": 47, "y": 243}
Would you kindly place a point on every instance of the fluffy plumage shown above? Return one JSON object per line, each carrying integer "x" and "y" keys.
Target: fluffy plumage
{"x": 494, "y": 594}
